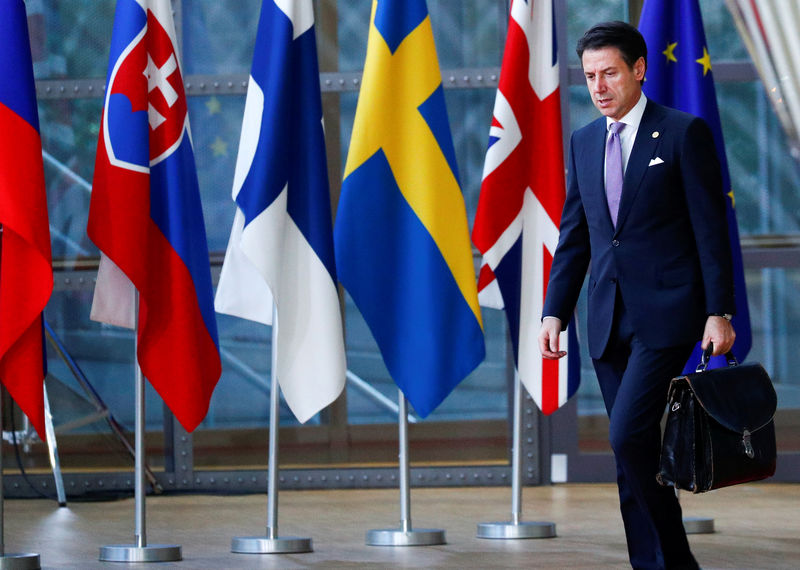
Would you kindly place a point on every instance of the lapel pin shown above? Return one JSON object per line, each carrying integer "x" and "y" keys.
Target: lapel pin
{"x": 655, "y": 134}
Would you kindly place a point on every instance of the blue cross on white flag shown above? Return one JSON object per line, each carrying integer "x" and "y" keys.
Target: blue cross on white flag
{"x": 281, "y": 243}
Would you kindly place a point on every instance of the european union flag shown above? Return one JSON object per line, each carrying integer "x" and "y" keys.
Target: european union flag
{"x": 679, "y": 76}
{"x": 401, "y": 236}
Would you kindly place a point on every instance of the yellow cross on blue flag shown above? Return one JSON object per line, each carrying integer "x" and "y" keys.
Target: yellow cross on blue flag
{"x": 401, "y": 235}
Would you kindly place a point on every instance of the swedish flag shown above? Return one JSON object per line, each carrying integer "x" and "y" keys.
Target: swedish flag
{"x": 401, "y": 237}
{"x": 679, "y": 75}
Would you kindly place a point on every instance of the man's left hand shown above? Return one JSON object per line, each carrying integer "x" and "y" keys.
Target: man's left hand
{"x": 719, "y": 330}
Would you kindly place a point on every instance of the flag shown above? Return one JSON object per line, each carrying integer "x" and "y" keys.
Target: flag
{"x": 522, "y": 195}
{"x": 145, "y": 214}
{"x": 679, "y": 75}
{"x": 281, "y": 244}
{"x": 401, "y": 235}
{"x": 26, "y": 273}
{"x": 768, "y": 30}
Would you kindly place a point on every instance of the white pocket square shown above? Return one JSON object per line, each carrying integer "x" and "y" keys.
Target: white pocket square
{"x": 656, "y": 160}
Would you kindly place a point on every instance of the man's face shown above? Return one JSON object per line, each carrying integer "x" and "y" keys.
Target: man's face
{"x": 615, "y": 88}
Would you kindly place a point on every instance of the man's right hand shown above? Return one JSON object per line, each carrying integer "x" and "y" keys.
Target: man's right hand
{"x": 548, "y": 338}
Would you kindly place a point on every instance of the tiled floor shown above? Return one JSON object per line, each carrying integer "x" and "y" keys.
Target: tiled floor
{"x": 757, "y": 527}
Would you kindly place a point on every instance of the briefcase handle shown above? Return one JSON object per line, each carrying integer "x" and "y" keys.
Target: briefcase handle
{"x": 707, "y": 356}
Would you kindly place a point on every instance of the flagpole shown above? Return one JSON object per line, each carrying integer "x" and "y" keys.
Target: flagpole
{"x": 140, "y": 551}
{"x": 21, "y": 561}
{"x": 696, "y": 525}
{"x": 405, "y": 535}
{"x": 516, "y": 528}
{"x": 272, "y": 543}
{"x": 26, "y": 560}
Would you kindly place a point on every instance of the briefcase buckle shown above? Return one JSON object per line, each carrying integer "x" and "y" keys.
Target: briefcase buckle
{"x": 748, "y": 448}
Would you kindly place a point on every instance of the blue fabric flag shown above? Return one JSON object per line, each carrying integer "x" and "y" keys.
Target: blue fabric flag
{"x": 679, "y": 75}
{"x": 146, "y": 215}
{"x": 401, "y": 237}
{"x": 281, "y": 245}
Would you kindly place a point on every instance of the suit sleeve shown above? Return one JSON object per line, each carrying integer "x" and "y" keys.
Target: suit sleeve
{"x": 572, "y": 255}
{"x": 702, "y": 182}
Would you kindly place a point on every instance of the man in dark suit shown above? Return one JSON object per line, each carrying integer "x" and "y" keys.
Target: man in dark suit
{"x": 645, "y": 208}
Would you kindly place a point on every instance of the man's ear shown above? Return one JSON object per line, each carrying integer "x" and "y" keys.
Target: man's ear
{"x": 639, "y": 68}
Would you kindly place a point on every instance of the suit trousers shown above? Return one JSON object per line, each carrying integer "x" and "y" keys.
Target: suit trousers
{"x": 634, "y": 380}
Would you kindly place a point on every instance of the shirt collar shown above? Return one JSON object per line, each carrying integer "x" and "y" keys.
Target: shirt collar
{"x": 633, "y": 117}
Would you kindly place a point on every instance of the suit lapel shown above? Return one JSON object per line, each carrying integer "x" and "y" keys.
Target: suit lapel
{"x": 595, "y": 163}
{"x": 644, "y": 148}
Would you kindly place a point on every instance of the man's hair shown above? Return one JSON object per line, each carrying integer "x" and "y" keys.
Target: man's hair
{"x": 620, "y": 35}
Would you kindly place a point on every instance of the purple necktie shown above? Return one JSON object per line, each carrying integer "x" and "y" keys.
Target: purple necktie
{"x": 614, "y": 170}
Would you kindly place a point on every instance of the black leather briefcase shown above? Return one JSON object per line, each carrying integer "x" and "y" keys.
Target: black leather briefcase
{"x": 720, "y": 428}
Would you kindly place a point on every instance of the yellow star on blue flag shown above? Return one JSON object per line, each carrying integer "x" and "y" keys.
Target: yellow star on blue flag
{"x": 670, "y": 52}
{"x": 219, "y": 147}
{"x": 213, "y": 105}
{"x": 705, "y": 61}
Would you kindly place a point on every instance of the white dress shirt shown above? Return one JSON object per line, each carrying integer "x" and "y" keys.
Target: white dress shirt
{"x": 627, "y": 136}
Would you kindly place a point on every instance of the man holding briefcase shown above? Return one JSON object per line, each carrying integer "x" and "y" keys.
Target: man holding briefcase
{"x": 645, "y": 207}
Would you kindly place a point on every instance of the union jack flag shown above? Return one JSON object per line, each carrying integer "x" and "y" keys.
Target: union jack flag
{"x": 522, "y": 195}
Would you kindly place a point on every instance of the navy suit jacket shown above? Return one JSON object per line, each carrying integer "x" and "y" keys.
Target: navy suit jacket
{"x": 669, "y": 255}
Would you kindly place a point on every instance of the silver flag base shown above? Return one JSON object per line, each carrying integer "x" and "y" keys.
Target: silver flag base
{"x": 698, "y": 525}
{"x": 132, "y": 553}
{"x": 400, "y": 537}
{"x": 264, "y": 545}
{"x": 22, "y": 561}
{"x": 510, "y": 530}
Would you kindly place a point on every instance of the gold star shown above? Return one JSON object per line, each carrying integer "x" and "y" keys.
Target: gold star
{"x": 213, "y": 105}
{"x": 705, "y": 61}
{"x": 670, "y": 52}
{"x": 733, "y": 199}
{"x": 219, "y": 147}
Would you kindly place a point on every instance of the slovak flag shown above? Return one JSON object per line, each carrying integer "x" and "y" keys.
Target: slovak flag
{"x": 522, "y": 195}
{"x": 26, "y": 273}
{"x": 281, "y": 244}
{"x": 146, "y": 217}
